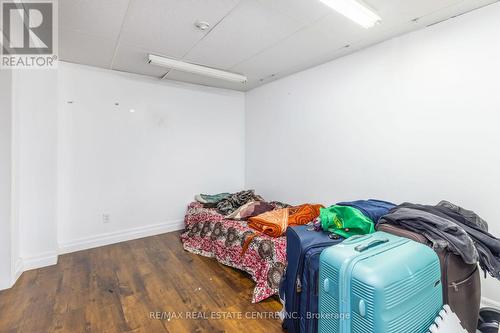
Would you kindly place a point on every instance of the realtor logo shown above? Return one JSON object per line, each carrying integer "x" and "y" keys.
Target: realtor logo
{"x": 29, "y": 34}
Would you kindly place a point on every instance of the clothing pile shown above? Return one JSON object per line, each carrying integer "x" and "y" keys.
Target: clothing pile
{"x": 238, "y": 206}
{"x": 271, "y": 219}
{"x": 448, "y": 226}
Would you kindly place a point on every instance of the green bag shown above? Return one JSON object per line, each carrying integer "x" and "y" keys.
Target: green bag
{"x": 345, "y": 221}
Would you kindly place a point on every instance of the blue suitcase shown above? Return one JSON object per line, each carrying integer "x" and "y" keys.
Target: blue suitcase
{"x": 299, "y": 287}
{"x": 379, "y": 283}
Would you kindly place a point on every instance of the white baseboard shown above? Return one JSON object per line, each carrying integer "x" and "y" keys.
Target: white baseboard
{"x": 42, "y": 260}
{"x": 119, "y": 236}
{"x": 28, "y": 263}
{"x": 486, "y": 302}
{"x": 18, "y": 270}
{"x": 50, "y": 258}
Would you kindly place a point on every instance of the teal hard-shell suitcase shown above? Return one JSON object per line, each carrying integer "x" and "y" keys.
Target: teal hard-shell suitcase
{"x": 379, "y": 283}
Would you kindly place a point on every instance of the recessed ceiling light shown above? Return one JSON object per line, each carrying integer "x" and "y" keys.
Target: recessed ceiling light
{"x": 355, "y": 11}
{"x": 202, "y": 25}
{"x": 132, "y": 110}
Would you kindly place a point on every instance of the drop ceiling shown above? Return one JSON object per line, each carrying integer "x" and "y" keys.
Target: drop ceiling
{"x": 262, "y": 39}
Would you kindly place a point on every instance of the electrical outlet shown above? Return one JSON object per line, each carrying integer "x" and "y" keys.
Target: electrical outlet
{"x": 106, "y": 218}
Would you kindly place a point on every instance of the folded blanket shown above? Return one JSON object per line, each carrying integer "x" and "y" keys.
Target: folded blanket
{"x": 303, "y": 214}
{"x": 274, "y": 223}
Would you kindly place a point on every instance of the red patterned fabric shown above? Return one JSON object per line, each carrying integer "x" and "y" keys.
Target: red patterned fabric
{"x": 209, "y": 234}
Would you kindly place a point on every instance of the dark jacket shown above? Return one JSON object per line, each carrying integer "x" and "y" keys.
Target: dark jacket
{"x": 449, "y": 227}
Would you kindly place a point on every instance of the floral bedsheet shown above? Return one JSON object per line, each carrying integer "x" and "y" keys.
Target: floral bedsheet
{"x": 209, "y": 234}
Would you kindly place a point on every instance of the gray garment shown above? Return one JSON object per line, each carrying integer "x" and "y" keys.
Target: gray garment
{"x": 440, "y": 231}
{"x": 469, "y": 215}
{"x": 486, "y": 244}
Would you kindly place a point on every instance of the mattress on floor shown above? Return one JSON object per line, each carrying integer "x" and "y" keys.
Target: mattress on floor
{"x": 209, "y": 234}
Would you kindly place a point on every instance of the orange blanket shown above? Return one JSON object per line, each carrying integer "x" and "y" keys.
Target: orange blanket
{"x": 274, "y": 223}
{"x": 303, "y": 214}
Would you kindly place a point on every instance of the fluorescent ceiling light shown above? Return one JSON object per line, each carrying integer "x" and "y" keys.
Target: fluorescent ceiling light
{"x": 354, "y": 11}
{"x": 195, "y": 69}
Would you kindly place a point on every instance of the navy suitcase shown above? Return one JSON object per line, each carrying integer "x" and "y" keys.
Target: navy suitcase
{"x": 299, "y": 287}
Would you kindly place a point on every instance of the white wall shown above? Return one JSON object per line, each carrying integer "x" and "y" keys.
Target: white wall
{"x": 65, "y": 165}
{"x": 5, "y": 178}
{"x": 140, "y": 168}
{"x": 35, "y": 167}
{"x": 412, "y": 119}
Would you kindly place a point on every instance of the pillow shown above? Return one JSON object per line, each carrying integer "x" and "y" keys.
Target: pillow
{"x": 252, "y": 208}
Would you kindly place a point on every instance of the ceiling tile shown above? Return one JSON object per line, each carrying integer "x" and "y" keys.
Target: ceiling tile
{"x": 134, "y": 60}
{"x": 303, "y": 11}
{"x": 307, "y": 46}
{"x": 78, "y": 47}
{"x": 102, "y": 18}
{"x": 167, "y": 26}
{"x": 249, "y": 29}
{"x": 400, "y": 11}
{"x": 258, "y": 80}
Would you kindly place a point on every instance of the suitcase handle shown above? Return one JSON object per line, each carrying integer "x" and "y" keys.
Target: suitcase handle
{"x": 356, "y": 238}
{"x": 364, "y": 247}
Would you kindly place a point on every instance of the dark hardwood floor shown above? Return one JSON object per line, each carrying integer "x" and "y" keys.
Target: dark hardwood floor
{"x": 116, "y": 288}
